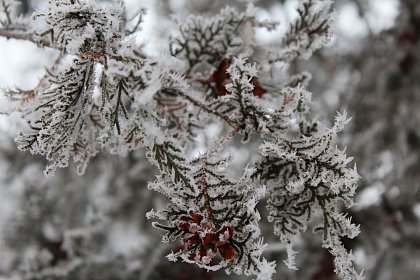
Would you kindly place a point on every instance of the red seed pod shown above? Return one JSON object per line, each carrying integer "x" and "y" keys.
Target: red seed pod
{"x": 221, "y": 77}
{"x": 227, "y": 251}
{"x": 228, "y": 228}
{"x": 209, "y": 238}
{"x": 258, "y": 90}
{"x": 223, "y": 235}
{"x": 183, "y": 225}
{"x": 191, "y": 240}
{"x": 195, "y": 216}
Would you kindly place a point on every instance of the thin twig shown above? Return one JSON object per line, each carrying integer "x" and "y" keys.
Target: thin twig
{"x": 19, "y": 35}
{"x": 202, "y": 106}
{"x": 7, "y": 12}
{"x": 222, "y": 141}
{"x": 139, "y": 21}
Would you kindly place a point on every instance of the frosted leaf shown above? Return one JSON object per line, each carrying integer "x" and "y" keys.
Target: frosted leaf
{"x": 290, "y": 261}
{"x": 81, "y": 26}
{"x": 267, "y": 269}
{"x": 305, "y": 175}
{"x": 59, "y": 119}
{"x": 310, "y": 31}
{"x": 202, "y": 39}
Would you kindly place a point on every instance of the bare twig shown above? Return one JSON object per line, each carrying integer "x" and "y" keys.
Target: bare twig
{"x": 201, "y": 106}
{"x": 139, "y": 15}
{"x": 21, "y": 35}
{"x": 7, "y": 12}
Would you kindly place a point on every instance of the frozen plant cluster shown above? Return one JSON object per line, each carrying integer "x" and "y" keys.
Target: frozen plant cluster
{"x": 104, "y": 93}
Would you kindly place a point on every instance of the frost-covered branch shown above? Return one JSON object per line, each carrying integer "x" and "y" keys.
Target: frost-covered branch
{"x": 22, "y": 35}
{"x": 105, "y": 94}
{"x": 311, "y": 30}
{"x": 214, "y": 217}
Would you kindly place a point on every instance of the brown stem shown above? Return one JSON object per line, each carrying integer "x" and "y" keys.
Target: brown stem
{"x": 21, "y": 35}
{"x": 222, "y": 141}
{"x": 201, "y": 106}
{"x": 206, "y": 194}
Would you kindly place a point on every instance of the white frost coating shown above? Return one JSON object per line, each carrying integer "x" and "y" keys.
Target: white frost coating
{"x": 343, "y": 260}
{"x": 112, "y": 96}
{"x": 267, "y": 270}
{"x": 291, "y": 257}
{"x": 83, "y": 24}
{"x": 309, "y": 32}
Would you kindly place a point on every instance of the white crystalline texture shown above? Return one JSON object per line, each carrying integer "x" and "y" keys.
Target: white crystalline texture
{"x": 111, "y": 96}
{"x": 80, "y": 27}
{"x": 311, "y": 30}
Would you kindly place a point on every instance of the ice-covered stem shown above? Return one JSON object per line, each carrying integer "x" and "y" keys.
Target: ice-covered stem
{"x": 18, "y": 34}
{"x": 200, "y": 105}
{"x": 206, "y": 196}
{"x": 16, "y": 27}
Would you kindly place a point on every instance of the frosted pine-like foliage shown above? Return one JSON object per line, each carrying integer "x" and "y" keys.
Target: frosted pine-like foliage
{"x": 103, "y": 93}
{"x": 80, "y": 26}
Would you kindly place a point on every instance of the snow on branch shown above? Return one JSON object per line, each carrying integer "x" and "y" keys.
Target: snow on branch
{"x": 306, "y": 177}
{"x": 58, "y": 118}
{"x": 213, "y": 216}
{"x": 80, "y": 27}
{"x": 104, "y": 93}
{"x": 311, "y": 30}
{"x": 202, "y": 40}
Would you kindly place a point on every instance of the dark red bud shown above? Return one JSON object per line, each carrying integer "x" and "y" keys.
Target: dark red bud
{"x": 209, "y": 238}
{"x": 185, "y": 218}
{"x": 195, "y": 216}
{"x": 227, "y": 251}
{"x": 224, "y": 229}
{"x": 183, "y": 225}
{"x": 191, "y": 240}
{"x": 258, "y": 90}
{"x": 220, "y": 77}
